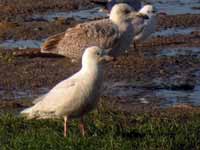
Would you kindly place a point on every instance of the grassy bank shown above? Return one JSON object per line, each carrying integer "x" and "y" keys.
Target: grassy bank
{"x": 165, "y": 129}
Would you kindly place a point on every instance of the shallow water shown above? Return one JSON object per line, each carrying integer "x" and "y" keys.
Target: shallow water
{"x": 143, "y": 93}
{"x": 21, "y": 44}
{"x": 95, "y": 13}
{"x": 174, "y": 7}
{"x": 175, "y": 31}
{"x": 135, "y": 91}
{"x": 171, "y": 7}
{"x": 197, "y": 75}
{"x": 21, "y": 94}
{"x": 24, "y": 44}
{"x": 172, "y": 97}
{"x": 180, "y": 51}
{"x": 81, "y": 15}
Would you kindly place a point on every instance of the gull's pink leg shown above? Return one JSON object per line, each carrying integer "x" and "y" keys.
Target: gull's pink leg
{"x": 82, "y": 127}
{"x": 65, "y": 126}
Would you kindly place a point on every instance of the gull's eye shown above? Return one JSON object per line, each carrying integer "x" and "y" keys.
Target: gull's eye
{"x": 126, "y": 11}
{"x": 99, "y": 53}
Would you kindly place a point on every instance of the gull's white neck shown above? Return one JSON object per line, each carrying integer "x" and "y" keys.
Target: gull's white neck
{"x": 145, "y": 10}
{"x": 91, "y": 70}
{"x": 121, "y": 24}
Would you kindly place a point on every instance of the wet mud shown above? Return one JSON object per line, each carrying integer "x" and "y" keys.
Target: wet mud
{"x": 163, "y": 71}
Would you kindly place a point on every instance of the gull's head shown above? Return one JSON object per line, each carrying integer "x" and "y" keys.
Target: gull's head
{"x": 95, "y": 56}
{"x": 148, "y": 10}
{"x": 120, "y": 12}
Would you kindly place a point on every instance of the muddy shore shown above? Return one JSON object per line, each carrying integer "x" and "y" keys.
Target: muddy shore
{"x": 163, "y": 63}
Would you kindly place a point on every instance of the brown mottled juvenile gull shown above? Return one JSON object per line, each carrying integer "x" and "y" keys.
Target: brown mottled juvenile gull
{"x": 114, "y": 34}
{"x": 76, "y": 95}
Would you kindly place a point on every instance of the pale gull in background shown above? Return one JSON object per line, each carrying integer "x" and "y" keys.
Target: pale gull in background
{"x": 108, "y": 4}
{"x": 114, "y": 34}
{"x": 75, "y": 96}
{"x": 149, "y": 25}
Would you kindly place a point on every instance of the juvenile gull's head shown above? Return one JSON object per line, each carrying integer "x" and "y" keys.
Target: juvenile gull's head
{"x": 120, "y": 13}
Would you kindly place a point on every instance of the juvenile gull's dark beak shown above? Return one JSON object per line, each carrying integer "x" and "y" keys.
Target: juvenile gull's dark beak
{"x": 141, "y": 15}
{"x": 106, "y": 57}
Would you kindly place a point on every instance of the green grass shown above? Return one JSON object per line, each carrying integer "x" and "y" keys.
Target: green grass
{"x": 105, "y": 130}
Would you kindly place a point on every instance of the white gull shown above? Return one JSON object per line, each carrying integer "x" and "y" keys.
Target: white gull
{"x": 149, "y": 25}
{"x": 76, "y": 95}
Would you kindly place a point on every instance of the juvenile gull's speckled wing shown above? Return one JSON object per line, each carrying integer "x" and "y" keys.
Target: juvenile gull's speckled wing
{"x": 101, "y": 33}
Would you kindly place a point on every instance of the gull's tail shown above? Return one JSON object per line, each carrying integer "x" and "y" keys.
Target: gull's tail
{"x": 31, "y": 113}
{"x": 27, "y": 113}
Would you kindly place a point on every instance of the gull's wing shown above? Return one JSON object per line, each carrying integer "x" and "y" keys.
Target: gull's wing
{"x": 102, "y": 33}
{"x": 60, "y": 99}
{"x": 56, "y": 102}
{"x": 65, "y": 84}
{"x": 146, "y": 29}
{"x": 50, "y": 45}
{"x": 38, "y": 99}
{"x": 138, "y": 25}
